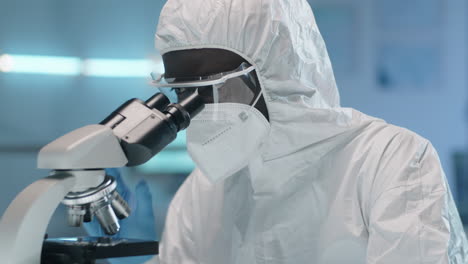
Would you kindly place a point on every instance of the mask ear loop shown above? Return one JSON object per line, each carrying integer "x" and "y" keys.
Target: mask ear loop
{"x": 244, "y": 116}
{"x": 215, "y": 90}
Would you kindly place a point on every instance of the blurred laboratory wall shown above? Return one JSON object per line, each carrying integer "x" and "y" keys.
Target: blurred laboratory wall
{"x": 405, "y": 62}
{"x": 400, "y": 61}
{"x": 37, "y": 108}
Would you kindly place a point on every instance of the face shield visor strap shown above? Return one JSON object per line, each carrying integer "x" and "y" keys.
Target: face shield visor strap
{"x": 161, "y": 82}
{"x": 244, "y": 116}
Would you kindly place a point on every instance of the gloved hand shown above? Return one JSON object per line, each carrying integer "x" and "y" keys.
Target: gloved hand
{"x": 139, "y": 225}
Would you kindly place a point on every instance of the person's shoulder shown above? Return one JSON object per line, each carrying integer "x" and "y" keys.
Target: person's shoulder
{"x": 391, "y": 143}
{"x": 401, "y": 135}
{"x": 398, "y": 158}
{"x": 380, "y": 132}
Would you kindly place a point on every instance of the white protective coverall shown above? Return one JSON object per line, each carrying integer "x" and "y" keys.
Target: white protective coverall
{"x": 331, "y": 185}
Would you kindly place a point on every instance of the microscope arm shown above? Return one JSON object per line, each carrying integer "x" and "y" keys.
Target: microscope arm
{"x": 23, "y": 226}
{"x": 24, "y": 223}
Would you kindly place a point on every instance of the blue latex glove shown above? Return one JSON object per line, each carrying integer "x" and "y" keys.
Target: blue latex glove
{"x": 141, "y": 222}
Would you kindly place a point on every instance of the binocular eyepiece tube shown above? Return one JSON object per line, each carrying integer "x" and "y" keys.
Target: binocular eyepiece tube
{"x": 145, "y": 128}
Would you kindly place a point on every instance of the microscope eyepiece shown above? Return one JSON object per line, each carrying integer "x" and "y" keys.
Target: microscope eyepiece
{"x": 183, "y": 112}
{"x": 158, "y": 101}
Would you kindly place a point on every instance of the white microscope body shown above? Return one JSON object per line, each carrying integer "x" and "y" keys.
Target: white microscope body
{"x": 130, "y": 136}
{"x": 72, "y": 157}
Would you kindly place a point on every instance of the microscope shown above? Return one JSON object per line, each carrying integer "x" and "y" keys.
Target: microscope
{"x": 130, "y": 136}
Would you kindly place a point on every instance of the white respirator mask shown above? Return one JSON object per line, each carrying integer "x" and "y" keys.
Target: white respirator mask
{"x": 224, "y": 137}
{"x": 229, "y": 131}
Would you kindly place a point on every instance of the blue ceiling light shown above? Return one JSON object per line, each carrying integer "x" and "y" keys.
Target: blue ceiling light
{"x": 113, "y": 68}
{"x": 117, "y": 68}
{"x": 40, "y": 64}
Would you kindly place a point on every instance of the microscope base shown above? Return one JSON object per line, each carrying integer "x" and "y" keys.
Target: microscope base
{"x": 87, "y": 250}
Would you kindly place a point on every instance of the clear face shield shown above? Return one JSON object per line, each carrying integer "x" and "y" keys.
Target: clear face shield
{"x": 237, "y": 86}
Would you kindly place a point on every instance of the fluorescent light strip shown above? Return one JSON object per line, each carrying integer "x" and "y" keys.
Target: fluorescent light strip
{"x": 41, "y": 64}
{"x": 6, "y": 63}
{"x": 115, "y": 68}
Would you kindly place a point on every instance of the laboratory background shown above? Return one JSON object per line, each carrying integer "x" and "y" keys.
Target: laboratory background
{"x": 66, "y": 64}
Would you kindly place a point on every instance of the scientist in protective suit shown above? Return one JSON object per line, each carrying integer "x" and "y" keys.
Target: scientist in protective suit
{"x": 284, "y": 174}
